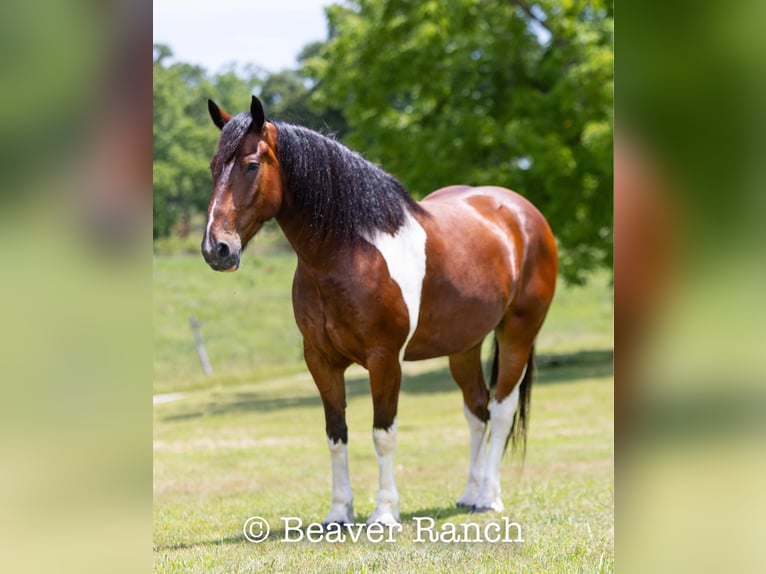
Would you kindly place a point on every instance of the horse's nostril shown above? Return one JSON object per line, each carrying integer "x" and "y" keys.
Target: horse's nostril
{"x": 222, "y": 250}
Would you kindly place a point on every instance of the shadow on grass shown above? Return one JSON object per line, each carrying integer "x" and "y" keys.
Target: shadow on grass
{"x": 558, "y": 368}
{"x": 238, "y": 539}
{"x": 571, "y": 367}
{"x": 437, "y": 513}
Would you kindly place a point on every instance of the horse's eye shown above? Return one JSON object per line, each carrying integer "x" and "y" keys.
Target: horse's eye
{"x": 253, "y": 166}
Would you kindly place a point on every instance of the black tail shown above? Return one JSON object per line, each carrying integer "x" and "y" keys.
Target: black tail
{"x": 518, "y": 434}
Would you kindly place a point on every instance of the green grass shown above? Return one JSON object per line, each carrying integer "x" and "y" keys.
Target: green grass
{"x": 250, "y": 440}
{"x": 248, "y": 326}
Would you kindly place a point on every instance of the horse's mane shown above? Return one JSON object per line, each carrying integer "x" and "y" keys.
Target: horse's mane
{"x": 336, "y": 190}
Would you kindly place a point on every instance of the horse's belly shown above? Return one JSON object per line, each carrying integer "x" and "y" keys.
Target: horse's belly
{"x": 458, "y": 309}
{"x": 457, "y": 315}
{"x": 448, "y": 329}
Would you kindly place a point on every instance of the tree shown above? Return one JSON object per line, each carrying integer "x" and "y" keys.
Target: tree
{"x": 511, "y": 93}
{"x": 184, "y": 137}
{"x": 287, "y": 96}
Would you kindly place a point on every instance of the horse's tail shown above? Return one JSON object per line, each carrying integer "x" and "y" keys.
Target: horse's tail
{"x": 495, "y": 364}
{"x": 518, "y": 434}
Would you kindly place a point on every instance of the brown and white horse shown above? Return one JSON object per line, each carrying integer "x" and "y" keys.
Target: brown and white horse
{"x": 382, "y": 278}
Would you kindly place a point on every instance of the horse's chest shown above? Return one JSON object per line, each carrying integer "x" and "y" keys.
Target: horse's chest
{"x": 373, "y": 300}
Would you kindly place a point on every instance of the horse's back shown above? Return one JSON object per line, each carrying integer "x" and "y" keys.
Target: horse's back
{"x": 484, "y": 199}
{"x": 500, "y": 209}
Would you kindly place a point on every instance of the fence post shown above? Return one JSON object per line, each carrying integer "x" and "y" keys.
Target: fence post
{"x": 195, "y": 325}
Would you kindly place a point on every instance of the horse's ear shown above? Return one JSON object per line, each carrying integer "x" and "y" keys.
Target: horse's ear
{"x": 220, "y": 118}
{"x": 256, "y": 112}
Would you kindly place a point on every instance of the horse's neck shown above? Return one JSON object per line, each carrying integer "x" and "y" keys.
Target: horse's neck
{"x": 311, "y": 252}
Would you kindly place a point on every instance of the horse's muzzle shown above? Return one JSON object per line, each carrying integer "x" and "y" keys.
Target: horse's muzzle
{"x": 223, "y": 256}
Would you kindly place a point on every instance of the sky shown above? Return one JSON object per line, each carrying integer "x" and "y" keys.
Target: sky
{"x": 267, "y": 33}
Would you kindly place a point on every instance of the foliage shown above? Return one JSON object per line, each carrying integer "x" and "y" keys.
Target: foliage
{"x": 514, "y": 93}
{"x": 183, "y": 135}
{"x": 438, "y": 92}
{"x": 185, "y": 139}
{"x": 286, "y": 96}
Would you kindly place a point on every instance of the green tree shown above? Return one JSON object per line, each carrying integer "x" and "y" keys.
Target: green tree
{"x": 179, "y": 141}
{"x": 510, "y": 93}
{"x": 184, "y": 137}
{"x": 287, "y": 96}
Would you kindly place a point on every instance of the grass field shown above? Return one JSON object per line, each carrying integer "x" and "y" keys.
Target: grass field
{"x": 250, "y": 439}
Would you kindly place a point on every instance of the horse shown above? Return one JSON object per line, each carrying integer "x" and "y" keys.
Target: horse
{"x": 382, "y": 278}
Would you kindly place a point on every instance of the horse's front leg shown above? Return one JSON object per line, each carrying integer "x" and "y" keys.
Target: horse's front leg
{"x": 385, "y": 380}
{"x": 332, "y": 388}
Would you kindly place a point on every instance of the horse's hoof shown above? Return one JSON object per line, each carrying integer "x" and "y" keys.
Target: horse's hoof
{"x": 339, "y": 514}
{"x": 488, "y": 503}
{"x": 464, "y": 505}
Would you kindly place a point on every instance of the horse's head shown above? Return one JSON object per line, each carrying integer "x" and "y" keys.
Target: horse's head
{"x": 247, "y": 188}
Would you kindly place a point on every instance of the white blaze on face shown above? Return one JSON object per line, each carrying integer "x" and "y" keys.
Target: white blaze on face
{"x": 209, "y": 223}
{"x": 223, "y": 179}
{"x": 405, "y": 256}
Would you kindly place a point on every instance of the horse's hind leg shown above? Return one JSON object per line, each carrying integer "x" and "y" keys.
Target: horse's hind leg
{"x": 513, "y": 358}
{"x": 467, "y": 371}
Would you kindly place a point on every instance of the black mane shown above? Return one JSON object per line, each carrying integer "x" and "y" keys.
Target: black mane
{"x": 335, "y": 190}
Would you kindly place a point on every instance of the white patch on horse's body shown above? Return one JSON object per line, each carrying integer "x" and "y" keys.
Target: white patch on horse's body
{"x": 387, "y": 508}
{"x": 405, "y": 255}
{"x": 342, "y": 509}
{"x": 477, "y": 461}
{"x": 501, "y": 418}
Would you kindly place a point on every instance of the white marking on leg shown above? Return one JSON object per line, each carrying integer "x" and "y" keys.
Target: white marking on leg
{"x": 477, "y": 461}
{"x": 405, "y": 255}
{"x": 501, "y": 418}
{"x": 342, "y": 509}
{"x": 387, "y": 509}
